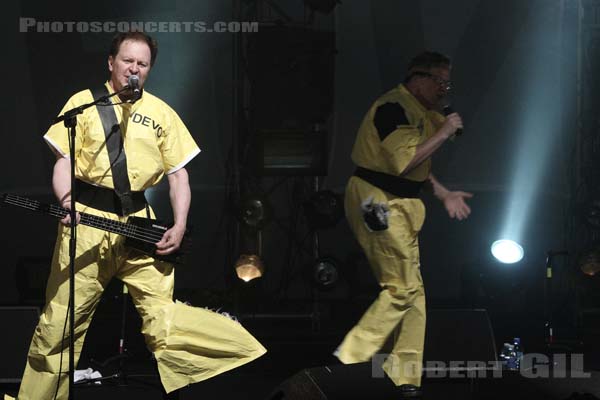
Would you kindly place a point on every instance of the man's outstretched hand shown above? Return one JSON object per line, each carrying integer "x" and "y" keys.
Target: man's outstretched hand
{"x": 456, "y": 205}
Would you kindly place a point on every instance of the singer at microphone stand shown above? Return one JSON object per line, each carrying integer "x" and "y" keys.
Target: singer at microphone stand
{"x": 392, "y": 153}
{"x": 69, "y": 118}
{"x": 124, "y": 145}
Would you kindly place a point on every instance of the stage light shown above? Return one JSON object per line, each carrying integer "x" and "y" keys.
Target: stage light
{"x": 248, "y": 267}
{"x": 507, "y": 251}
{"x": 589, "y": 262}
{"x": 536, "y": 123}
{"x": 325, "y": 273}
{"x": 324, "y": 209}
{"x": 254, "y": 211}
{"x": 592, "y": 216}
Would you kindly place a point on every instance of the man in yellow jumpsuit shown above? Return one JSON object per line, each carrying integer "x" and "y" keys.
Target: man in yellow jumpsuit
{"x": 189, "y": 344}
{"x": 395, "y": 141}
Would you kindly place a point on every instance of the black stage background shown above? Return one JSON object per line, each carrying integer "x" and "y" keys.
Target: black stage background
{"x": 521, "y": 72}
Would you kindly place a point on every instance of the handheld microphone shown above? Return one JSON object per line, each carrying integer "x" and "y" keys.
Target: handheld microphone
{"x": 447, "y": 111}
{"x": 134, "y": 84}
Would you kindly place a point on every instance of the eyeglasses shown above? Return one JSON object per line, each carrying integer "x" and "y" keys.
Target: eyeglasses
{"x": 440, "y": 81}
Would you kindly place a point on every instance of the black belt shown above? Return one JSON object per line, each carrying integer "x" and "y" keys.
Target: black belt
{"x": 395, "y": 185}
{"x": 106, "y": 199}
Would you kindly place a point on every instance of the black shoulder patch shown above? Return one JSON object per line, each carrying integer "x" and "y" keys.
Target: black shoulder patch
{"x": 387, "y": 118}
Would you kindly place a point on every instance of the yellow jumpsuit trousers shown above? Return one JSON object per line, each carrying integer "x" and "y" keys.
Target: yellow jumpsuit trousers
{"x": 393, "y": 255}
{"x": 190, "y": 344}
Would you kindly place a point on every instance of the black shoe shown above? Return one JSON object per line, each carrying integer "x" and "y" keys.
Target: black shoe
{"x": 409, "y": 391}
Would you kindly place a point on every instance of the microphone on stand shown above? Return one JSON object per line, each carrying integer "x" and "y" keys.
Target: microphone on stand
{"x": 134, "y": 84}
{"x": 447, "y": 111}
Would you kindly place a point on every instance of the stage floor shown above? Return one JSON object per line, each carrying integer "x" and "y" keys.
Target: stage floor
{"x": 304, "y": 370}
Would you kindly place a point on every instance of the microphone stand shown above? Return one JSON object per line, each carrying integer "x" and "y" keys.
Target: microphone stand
{"x": 70, "y": 120}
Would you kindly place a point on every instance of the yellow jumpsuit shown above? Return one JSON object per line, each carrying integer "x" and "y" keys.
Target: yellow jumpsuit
{"x": 393, "y": 254}
{"x": 190, "y": 344}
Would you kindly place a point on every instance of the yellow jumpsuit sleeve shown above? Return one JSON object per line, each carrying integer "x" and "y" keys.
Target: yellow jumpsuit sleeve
{"x": 399, "y": 148}
{"x": 178, "y": 146}
{"x": 57, "y": 136}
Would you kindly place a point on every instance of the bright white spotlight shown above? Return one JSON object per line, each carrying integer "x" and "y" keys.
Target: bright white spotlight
{"x": 507, "y": 251}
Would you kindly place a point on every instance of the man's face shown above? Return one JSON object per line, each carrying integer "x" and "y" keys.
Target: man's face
{"x": 133, "y": 58}
{"x": 433, "y": 89}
